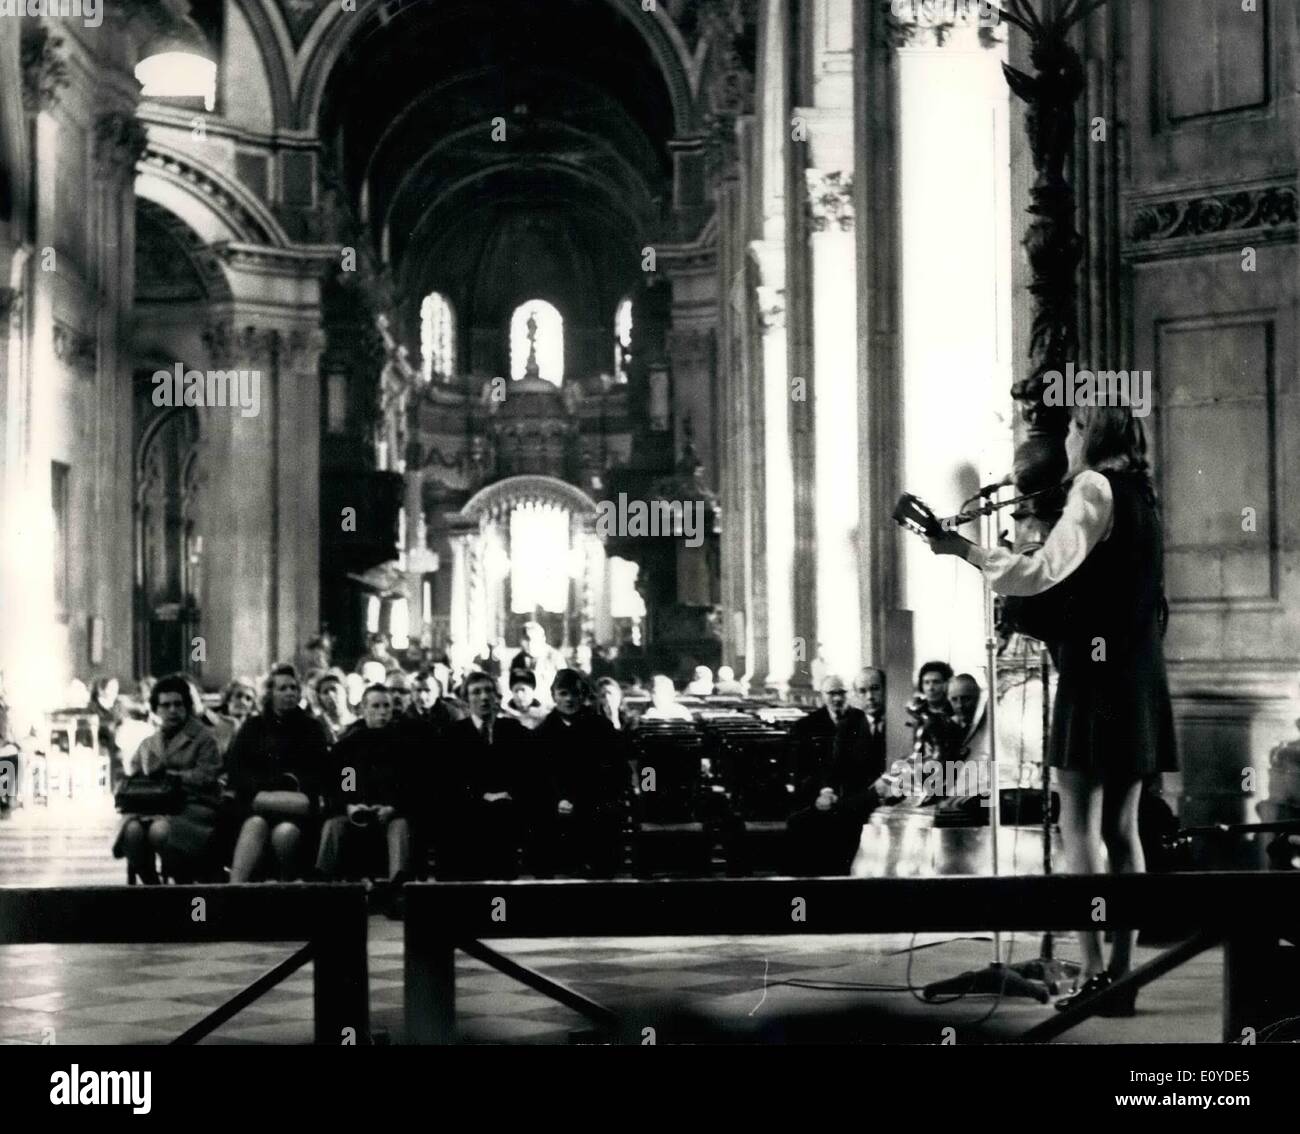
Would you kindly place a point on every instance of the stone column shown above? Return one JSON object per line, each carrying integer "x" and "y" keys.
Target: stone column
{"x": 243, "y": 581}
{"x": 119, "y": 140}
{"x": 778, "y": 468}
{"x": 459, "y": 616}
{"x": 297, "y": 536}
{"x": 836, "y": 416}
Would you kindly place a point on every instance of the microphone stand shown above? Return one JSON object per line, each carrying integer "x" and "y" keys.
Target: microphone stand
{"x": 996, "y": 978}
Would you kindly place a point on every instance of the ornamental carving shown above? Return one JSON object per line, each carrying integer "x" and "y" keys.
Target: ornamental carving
{"x": 120, "y": 141}
{"x": 229, "y": 344}
{"x": 728, "y": 87}
{"x": 830, "y": 201}
{"x": 172, "y": 166}
{"x": 1209, "y": 214}
{"x": 771, "y": 308}
{"x": 918, "y": 23}
{"x": 45, "y": 71}
{"x": 75, "y": 348}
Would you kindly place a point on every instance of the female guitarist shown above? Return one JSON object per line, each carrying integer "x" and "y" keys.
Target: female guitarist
{"x": 1101, "y": 573}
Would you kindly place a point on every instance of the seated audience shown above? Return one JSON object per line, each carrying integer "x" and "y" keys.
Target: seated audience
{"x": 483, "y": 789}
{"x": 238, "y": 703}
{"x": 185, "y": 752}
{"x": 523, "y": 704}
{"x": 701, "y": 683}
{"x": 815, "y": 832}
{"x": 589, "y": 783}
{"x": 930, "y": 713}
{"x": 664, "y": 705}
{"x": 609, "y": 699}
{"x": 438, "y": 710}
{"x": 332, "y": 700}
{"x": 107, "y": 706}
{"x": 727, "y": 685}
{"x": 854, "y": 785}
{"x": 276, "y": 767}
{"x": 371, "y": 793}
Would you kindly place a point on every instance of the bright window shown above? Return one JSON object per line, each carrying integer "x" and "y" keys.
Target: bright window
{"x": 437, "y": 338}
{"x": 539, "y": 558}
{"x": 176, "y": 74}
{"x": 537, "y": 340}
{"x": 623, "y": 341}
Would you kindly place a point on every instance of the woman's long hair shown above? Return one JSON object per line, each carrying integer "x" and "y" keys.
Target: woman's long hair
{"x": 1114, "y": 438}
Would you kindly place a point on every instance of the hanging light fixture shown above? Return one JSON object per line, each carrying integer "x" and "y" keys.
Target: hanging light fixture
{"x": 179, "y": 63}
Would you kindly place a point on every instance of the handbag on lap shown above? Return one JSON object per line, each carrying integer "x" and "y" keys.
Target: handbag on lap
{"x": 284, "y": 803}
{"x": 149, "y": 795}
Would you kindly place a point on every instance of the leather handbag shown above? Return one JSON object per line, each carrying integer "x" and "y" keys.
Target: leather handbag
{"x": 283, "y": 803}
{"x": 149, "y": 795}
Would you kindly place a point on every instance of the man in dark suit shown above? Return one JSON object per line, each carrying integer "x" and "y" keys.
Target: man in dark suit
{"x": 582, "y": 812}
{"x": 859, "y": 757}
{"x": 814, "y": 836}
{"x": 484, "y": 789}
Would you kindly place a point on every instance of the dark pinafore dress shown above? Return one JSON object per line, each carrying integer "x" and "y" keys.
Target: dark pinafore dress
{"x": 1112, "y": 717}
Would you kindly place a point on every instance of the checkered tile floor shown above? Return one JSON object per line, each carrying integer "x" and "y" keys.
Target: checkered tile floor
{"x": 148, "y": 994}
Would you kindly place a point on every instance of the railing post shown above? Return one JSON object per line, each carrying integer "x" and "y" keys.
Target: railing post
{"x": 430, "y": 995}
{"x": 341, "y": 982}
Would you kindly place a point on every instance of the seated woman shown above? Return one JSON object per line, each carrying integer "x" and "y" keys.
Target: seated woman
{"x": 183, "y": 750}
{"x": 276, "y": 767}
{"x": 238, "y": 703}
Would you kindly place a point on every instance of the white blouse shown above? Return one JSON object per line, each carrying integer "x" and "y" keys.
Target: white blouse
{"x": 1086, "y": 521}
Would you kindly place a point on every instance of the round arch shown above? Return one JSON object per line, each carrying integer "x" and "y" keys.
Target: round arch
{"x": 494, "y": 501}
{"x": 332, "y": 32}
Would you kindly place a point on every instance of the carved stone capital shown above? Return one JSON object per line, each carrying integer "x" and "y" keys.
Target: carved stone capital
{"x": 120, "y": 141}
{"x": 230, "y": 343}
{"x": 771, "y": 308}
{"x": 830, "y": 200}
{"x": 75, "y": 348}
{"x": 45, "y": 70}
{"x": 923, "y": 23}
{"x": 303, "y": 348}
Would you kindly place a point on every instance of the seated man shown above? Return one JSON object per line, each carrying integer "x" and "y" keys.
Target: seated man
{"x": 853, "y": 788}
{"x": 701, "y": 684}
{"x": 589, "y": 784}
{"x": 664, "y": 705}
{"x": 370, "y": 794}
{"x": 727, "y": 685}
{"x": 815, "y": 834}
{"x": 482, "y": 789}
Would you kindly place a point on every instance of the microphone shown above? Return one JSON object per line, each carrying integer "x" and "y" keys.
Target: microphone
{"x": 993, "y": 489}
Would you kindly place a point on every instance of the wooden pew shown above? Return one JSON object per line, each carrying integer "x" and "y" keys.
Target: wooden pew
{"x": 332, "y": 919}
{"x": 1247, "y": 912}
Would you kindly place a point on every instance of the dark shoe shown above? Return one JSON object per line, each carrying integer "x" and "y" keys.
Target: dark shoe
{"x": 1092, "y": 988}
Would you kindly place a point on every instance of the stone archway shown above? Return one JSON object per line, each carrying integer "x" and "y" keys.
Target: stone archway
{"x": 563, "y": 585}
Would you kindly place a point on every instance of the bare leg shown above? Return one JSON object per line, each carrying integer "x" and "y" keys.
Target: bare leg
{"x": 1081, "y": 807}
{"x": 1119, "y": 829}
{"x": 249, "y": 848}
{"x": 284, "y": 840}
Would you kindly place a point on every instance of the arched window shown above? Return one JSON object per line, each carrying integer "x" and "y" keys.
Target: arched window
{"x": 623, "y": 341}
{"x": 537, "y": 342}
{"x": 180, "y": 63}
{"x": 437, "y": 338}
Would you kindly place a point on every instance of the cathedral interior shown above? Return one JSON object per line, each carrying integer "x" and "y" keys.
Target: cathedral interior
{"x": 485, "y": 272}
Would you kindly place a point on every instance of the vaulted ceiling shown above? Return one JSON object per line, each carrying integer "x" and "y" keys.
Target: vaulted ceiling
{"x": 452, "y": 124}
